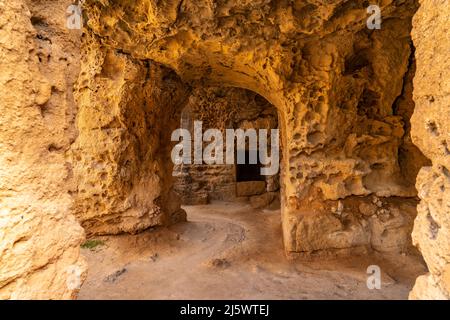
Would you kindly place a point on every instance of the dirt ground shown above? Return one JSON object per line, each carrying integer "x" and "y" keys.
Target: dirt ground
{"x": 231, "y": 251}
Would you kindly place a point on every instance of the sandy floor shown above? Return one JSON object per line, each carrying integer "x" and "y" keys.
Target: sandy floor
{"x": 230, "y": 251}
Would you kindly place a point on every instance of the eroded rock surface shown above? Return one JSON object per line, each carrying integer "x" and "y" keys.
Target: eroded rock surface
{"x": 39, "y": 237}
{"x": 342, "y": 91}
{"x": 431, "y": 132}
{"x": 343, "y": 94}
{"x": 121, "y": 157}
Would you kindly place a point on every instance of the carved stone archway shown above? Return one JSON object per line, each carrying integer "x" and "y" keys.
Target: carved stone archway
{"x": 340, "y": 90}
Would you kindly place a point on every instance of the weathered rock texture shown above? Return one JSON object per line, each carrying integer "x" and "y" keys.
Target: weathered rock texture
{"x": 39, "y": 236}
{"x": 431, "y": 132}
{"x": 127, "y": 112}
{"x": 342, "y": 92}
{"x": 343, "y": 95}
{"x": 221, "y": 108}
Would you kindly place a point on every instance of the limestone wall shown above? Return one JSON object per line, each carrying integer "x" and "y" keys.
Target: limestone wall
{"x": 343, "y": 95}
{"x": 431, "y": 132}
{"x": 342, "y": 92}
{"x": 39, "y": 237}
{"x": 121, "y": 157}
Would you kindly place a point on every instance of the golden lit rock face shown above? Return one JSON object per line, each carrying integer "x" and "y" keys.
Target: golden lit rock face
{"x": 127, "y": 111}
{"x": 340, "y": 90}
{"x": 39, "y": 237}
{"x": 99, "y": 150}
{"x": 430, "y": 131}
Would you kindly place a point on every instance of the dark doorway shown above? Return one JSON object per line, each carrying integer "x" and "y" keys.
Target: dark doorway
{"x": 249, "y": 172}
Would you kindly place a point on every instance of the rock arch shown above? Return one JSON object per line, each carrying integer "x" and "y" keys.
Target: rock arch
{"x": 340, "y": 89}
{"x": 341, "y": 143}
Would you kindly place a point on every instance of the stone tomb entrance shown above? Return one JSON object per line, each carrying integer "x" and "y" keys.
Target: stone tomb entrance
{"x": 344, "y": 97}
{"x": 228, "y": 108}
